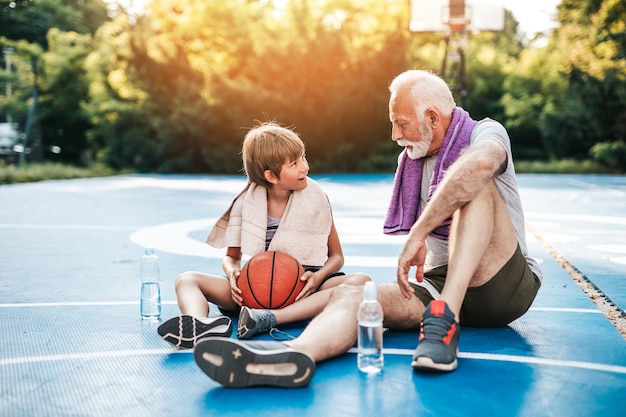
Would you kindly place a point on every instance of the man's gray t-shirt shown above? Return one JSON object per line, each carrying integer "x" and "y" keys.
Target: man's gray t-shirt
{"x": 506, "y": 183}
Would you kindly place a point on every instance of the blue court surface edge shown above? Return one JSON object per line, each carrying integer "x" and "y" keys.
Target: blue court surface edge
{"x": 73, "y": 344}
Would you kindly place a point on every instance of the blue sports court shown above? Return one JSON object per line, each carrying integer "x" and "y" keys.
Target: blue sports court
{"x": 72, "y": 342}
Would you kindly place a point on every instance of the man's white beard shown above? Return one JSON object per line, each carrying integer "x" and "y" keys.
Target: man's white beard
{"x": 420, "y": 149}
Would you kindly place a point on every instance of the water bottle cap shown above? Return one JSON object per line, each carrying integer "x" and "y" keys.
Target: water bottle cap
{"x": 149, "y": 251}
{"x": 369, "y": 292}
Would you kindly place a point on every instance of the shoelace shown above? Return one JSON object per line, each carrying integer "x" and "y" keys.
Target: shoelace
{"x": 280, "y": 335}
{"x": 436, "y": 328}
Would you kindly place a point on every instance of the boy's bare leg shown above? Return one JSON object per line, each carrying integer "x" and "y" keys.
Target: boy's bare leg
{"x": 186, "y": 330}
{"x": 193, "y": 289}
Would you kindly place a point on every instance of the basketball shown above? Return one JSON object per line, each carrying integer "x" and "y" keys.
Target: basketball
{"x": 270, "y": 280}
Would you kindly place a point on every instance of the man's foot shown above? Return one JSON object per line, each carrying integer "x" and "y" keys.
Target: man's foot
{"x": 185, "y": 331}
{"x": 245, "y": 364}
{"x": 438, "y": 340}
{"x": 254, "y": 321}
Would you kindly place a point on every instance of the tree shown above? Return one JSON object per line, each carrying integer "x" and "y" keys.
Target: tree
{"x": 24, "y": 26}
{"x": 592, "y": 106}
{"x": 316, "y": 67}
{"x": 64, "y": 85}
{"x": 30, "y": 20}
{"x": 569, "y": 95}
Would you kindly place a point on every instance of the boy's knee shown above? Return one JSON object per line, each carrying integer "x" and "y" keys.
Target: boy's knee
{"x": 184, "y": 279}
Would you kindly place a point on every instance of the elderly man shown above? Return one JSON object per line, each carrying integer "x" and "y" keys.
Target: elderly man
{"x": 455, "y": 196}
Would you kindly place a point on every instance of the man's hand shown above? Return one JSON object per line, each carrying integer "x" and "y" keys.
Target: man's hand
{"x": 413, "y": 254}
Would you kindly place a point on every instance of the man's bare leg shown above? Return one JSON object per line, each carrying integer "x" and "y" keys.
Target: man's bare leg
{"x": 255, "y": 321}
{"x": 291, "y": 364}
{"x": 334, "y": 330}
{"x": 482, "y": 240}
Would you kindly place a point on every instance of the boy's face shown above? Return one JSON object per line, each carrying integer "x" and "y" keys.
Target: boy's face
{"x": 293, "y": 174}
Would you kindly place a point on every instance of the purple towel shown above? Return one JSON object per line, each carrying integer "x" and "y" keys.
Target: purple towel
{"x": 404, "y": 207}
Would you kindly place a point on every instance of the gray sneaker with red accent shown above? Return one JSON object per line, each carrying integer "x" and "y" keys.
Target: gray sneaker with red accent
{"x": 439, "y": 339}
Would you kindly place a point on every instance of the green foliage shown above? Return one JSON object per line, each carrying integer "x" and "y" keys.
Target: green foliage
{"x": 564, "y": 98}
{"x": 10, "y": 174}
{"x": 564, "y": 166}
{"x": 610, "y": 154}
{"x": 30, "y": 20}
{"x": 199, "y": 86}
{"x": 63, "y": 88}
{"x": 175, "y": 90}
{"x": 590, "y": 112}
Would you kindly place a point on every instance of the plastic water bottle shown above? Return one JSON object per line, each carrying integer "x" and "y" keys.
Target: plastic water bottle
{"x": 370, "y": 351}
{"x": 150, "y": 275}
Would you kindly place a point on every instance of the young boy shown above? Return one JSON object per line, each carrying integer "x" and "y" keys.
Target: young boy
{"x": 280, "y": 209}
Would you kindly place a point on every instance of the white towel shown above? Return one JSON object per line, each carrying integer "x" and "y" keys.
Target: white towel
{"x": 302, "y": 233}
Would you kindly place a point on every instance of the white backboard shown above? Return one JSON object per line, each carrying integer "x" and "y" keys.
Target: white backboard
{"x": 434, "y": 16}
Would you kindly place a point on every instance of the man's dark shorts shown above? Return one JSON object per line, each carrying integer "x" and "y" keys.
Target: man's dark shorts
{"x": 496, "y": 303}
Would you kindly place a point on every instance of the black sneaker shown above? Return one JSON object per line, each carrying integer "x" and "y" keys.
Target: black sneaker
{"x": 438, "y": 340}
{"x": 245, "y": 364}
{"x": 185, "y": 331}
{"x": 254, "y": 321}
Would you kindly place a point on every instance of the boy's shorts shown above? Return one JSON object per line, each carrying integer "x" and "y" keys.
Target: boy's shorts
{"x": 507, "y": 296}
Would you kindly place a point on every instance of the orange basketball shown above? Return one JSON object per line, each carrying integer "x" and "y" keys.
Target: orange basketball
{"x": 270, "y": 280}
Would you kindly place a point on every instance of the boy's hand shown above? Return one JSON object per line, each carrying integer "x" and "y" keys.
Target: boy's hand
{"x": 311, "y": 285}
{"x": 234, "y": 289}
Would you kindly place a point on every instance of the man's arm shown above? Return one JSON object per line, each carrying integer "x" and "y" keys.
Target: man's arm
{"x": 460, "y": 185}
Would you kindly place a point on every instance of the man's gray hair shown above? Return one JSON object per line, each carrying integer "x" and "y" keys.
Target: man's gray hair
{"x": 427, "y": 90}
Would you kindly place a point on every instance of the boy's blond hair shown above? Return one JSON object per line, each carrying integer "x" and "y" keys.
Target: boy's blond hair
{"x": 269, "y": 146}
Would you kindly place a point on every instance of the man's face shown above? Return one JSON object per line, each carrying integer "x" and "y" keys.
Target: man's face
{"x": 407, "y": 128}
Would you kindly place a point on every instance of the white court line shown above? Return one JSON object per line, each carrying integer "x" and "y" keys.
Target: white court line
{"x": 79, "y": 303}
{"x": 567, "y": 310}
{"x": 408, "y": 352}
{"x": 119, "y": 303}
{"x": 522, "y": 359}
{"x": 87, "y": 355}
{"x": 561, "y": 217}
{"x": 65, "y": 227}
{"x": 587, "y": 185}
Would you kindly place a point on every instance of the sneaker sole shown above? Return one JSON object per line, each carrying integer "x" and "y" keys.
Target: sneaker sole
{"x": 182, "y": 331}
{"x": 235, "y": 364}
{"x": 424, "y": 363}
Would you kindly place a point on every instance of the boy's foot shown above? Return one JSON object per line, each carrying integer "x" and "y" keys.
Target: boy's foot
{"x": 245, "y": 364}
{"x": 438, "y": 340}
{"x": 185, "y": 331}
{"x": 254, "y": 321}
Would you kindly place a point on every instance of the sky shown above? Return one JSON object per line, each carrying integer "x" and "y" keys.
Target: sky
{"x": 532, "y": 15}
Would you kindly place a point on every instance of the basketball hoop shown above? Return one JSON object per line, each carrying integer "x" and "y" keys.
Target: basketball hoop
{"x": 457, "y": 26}
{"x": 441, "y": 16}
{"x": 456, "y": 20}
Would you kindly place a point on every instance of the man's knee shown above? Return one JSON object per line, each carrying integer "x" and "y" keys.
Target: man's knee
{"x": 346, "y": 294}
{"x": 357, "y": 279}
